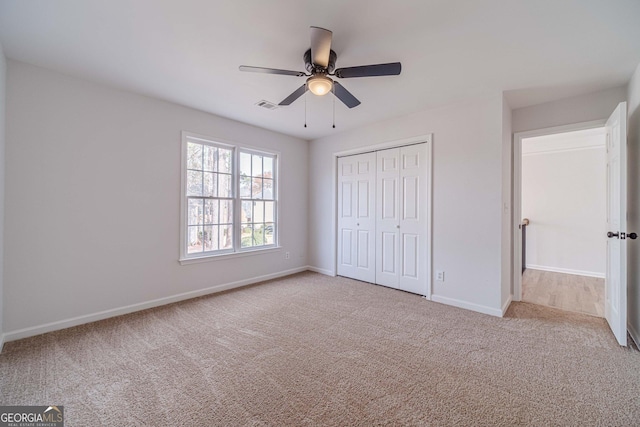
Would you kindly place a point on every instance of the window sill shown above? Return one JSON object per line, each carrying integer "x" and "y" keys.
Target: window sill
{"x": 227, "y": 256}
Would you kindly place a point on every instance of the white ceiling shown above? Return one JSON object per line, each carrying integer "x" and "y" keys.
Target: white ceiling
{"x": 188, "y": 51}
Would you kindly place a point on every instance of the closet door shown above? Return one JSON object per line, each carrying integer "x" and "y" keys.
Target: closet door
{"x": 414, "y": 238}
{"x": 356, "y": 220}
{"x": 402, "y": 221}
{"x": 387, "y": 217}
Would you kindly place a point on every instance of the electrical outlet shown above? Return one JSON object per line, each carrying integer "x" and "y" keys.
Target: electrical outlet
{"x": 287, "y": 255}
{"x": 440, "y": 276}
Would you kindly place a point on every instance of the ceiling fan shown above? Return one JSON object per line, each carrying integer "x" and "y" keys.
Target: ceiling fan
{"x": 320, "y": 62}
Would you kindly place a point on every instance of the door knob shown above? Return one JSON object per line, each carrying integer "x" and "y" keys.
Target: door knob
{"x": 632, "y": 236}
{"x": 610, "y": 235}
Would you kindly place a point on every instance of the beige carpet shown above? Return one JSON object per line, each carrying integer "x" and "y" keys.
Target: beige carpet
{"x": 314, "y": 350}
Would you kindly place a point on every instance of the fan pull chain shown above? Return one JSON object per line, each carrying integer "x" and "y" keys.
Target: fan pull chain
{"x": 333, "y": 89}
{"x": 305, "y": 107}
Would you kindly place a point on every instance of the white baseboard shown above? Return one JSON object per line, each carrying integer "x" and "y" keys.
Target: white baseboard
{"x": 1, "y": 342}
{"x": 634, "y": 334}
{"x": 467, "y": 305}
{"x": 101, "y": 315}
{"x": 320, "y": 270}
{"x": 566, "y": 271}
{"x": 506, "y": 305}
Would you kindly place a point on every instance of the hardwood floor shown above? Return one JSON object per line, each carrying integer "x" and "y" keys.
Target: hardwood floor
{"x": 564, "y": 291}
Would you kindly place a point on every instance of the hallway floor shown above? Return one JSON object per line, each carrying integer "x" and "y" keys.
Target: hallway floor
{"x": 568, "y": 292}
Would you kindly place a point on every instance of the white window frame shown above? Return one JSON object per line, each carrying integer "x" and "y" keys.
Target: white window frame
{"x": 237, "y": 250}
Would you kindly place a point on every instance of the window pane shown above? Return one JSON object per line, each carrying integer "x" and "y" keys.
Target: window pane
{"x": 224, "y": 160}
{"x": 224, "y": 185}
{"x": 194, "y": 156}
{"x": 268, "y": 189}
{"x": 269, "y": 211}
{"x": 247, "y": 215}
{"x": 245, "y": 187}
{"x": 210, "y": 154}
{"x": 211, "y": 212}
{"x": 269, "y": 233}
{"x": 226, "y": 212}
{"x": 210, "y": 184}
{"x": 268, "y": 167}
{"x": 247, "y": 236}
{"x": 258, "y": 211}
{"x": 194, "y": 183}
{"x": 210, "y": 237}
{"x": 258, "y": 234}
{"x": 220, "y": 180}
{"x": 226, "y": 237}
{"x": 245, "y": 164}
{"x": 194, "y": 243}
{"x": 256, "y": 165}
{"x": 194, "y": 214}
{"x": 256, "y": 188}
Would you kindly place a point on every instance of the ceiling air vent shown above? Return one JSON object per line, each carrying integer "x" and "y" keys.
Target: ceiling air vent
{"x": 266, "y": 104}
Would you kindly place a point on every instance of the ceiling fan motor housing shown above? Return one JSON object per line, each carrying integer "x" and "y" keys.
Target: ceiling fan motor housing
{"x": 316, "y": 69}
{"x": 320, "y": 63}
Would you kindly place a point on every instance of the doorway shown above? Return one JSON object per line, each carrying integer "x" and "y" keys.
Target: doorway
{"x": 563, "y": 202}
{"x": 615, "y": 289}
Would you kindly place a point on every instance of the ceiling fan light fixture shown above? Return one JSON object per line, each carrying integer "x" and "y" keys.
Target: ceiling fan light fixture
{"x": 319, "y": 85}
{"x": 320, "y": 63}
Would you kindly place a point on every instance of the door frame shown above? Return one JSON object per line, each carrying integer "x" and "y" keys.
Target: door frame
{"x": 517, "y": 190}
{"x": 419, "y": 139}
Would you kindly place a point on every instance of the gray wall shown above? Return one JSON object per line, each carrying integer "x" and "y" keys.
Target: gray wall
{"x": 633, "y": 222}
{"x": 507, "y": 215}
{"x": 3, "y": 93}
{"x": 467, "y": 196}
{"x": 578, "y": 109}
{"x": 93, "y": 202}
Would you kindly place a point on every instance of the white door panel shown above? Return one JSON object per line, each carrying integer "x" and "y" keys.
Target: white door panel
{"x": 410, "y": 197}
{"x": 389, "y": 162}
{"x": 414, "y": 221}
{"x": 389, "y": 194}
{"x": 346, "y": 204}
{"x": 410, "y": 160}
{"x": 389, "y": 251}
{"x": 364, "y": 254}
{"x": 401, "y": 227}
{"x": 616, "y": 273}
{"x": 387, "y": 221}
{"x": 356, "y": 222}
{"x": 345, "y": 247}
{"x": 410, "y": 255}
{"x": 364, "y": 188}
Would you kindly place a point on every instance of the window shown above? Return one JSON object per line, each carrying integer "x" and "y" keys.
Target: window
{"x": 229, "y": 199}
{"x": 258, "y": 202}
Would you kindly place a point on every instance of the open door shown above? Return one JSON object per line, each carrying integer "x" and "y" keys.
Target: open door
{"x": 615, "y": 305}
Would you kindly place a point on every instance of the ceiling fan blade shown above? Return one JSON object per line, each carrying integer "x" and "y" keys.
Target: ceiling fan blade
{"x": 320, "y": 46}
{"x": 295, "y": 95}
{"x": 344, "y": 95}
{"x": 271, "y": 71}
{"x": 390, "y": 69}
